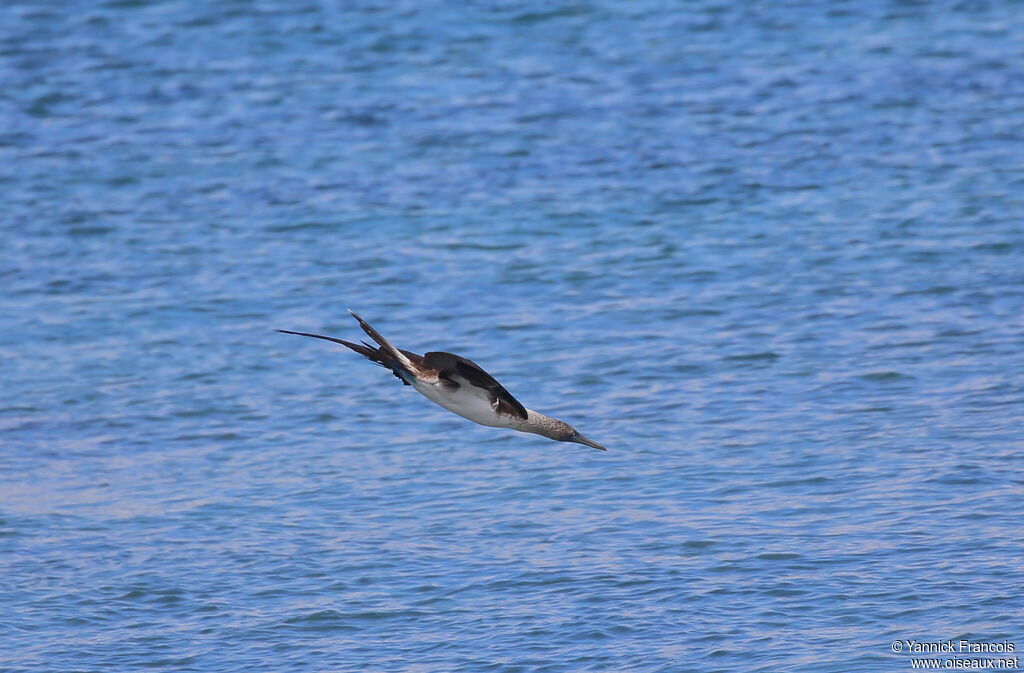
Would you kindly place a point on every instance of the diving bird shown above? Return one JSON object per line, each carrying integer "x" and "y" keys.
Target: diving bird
{"x": 459, "y": 385}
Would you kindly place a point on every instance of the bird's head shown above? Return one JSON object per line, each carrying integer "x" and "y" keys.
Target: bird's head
{"x": 576, "y": 437}
{"x": 552, "y": 428}
{"x": 563, "y": 432}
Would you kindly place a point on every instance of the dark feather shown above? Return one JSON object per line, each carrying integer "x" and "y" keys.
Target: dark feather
{"x": 448, "y": 363}
{"x": 445, "y": 377}
{"x": 362, "y": 350}
{"x": 376, "y": 355}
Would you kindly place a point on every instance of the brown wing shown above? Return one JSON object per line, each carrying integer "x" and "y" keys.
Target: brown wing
{"x": 375, "y": 354}
{"x": 448, "y": 363}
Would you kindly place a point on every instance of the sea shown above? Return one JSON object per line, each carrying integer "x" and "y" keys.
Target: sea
{"x": 769, "y": 253}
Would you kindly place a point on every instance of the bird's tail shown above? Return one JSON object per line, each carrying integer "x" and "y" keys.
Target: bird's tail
{"x": 364, "y": 349}
{"x": 377, "y": 356}
{"x": 398, "y": 356}
{"x": 398, "y": 361}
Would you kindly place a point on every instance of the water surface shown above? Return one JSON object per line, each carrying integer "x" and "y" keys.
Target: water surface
{"x": 770, "y": 255}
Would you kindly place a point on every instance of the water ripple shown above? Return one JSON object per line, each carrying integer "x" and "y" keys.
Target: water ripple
{"x": 770, "y": 258}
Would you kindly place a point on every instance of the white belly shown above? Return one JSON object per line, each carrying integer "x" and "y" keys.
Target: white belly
{"x": 466, "y": 401}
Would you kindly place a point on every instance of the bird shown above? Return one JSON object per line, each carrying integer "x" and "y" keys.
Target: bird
{"x": 459, "y": 385}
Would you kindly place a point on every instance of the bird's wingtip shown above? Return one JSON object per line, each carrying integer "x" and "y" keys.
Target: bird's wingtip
{"x": 359, "y": 319}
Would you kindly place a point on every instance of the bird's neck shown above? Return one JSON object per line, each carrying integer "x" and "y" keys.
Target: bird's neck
{"x": 539, "y": 424}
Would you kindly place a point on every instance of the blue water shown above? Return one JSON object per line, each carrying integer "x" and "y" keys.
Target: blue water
{"x": 770, "y": 254}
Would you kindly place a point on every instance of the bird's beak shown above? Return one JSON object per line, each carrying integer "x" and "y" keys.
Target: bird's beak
{"x": 580, "y": 439}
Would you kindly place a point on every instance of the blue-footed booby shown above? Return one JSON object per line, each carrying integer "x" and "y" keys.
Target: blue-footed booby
{"x": 459, "y": 385}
